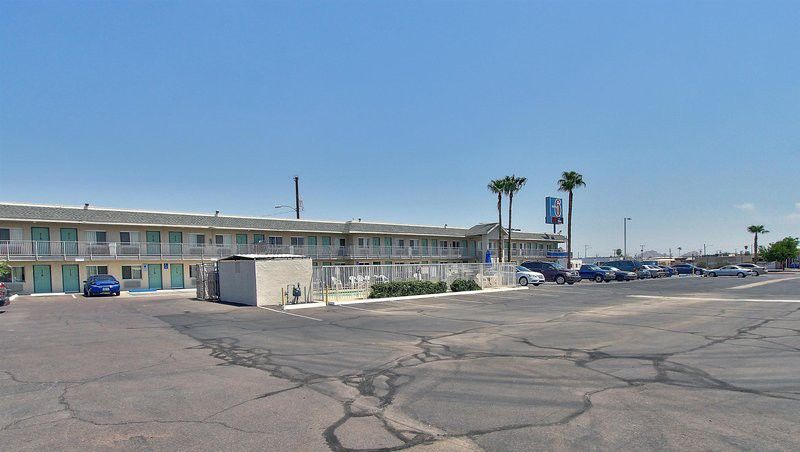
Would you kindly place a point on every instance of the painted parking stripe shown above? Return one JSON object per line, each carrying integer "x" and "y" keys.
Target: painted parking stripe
{"x": 289, "y": 313}
{"x": 657, "y": 297}
{"x": 763, "y": 283}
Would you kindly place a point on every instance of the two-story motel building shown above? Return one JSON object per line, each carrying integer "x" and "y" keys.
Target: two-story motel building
{"x": 55, "y": 248}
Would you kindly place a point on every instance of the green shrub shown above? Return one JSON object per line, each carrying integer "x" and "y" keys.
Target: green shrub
{"x": 406, "y": 288}
{"x": 461, "y": 285}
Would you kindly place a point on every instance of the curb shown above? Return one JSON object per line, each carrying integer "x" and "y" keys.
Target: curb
{"x": 291, "y": 307}
{"x": 418, "y": 297}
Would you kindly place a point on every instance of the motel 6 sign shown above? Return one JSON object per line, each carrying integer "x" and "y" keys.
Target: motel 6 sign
{"x": 554, "y": 211}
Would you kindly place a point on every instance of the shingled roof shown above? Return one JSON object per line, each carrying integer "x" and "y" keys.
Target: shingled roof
{"x": 93, "y": 215}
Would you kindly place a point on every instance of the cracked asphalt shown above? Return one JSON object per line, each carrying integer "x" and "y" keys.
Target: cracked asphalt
{"x": 694, "y": 363}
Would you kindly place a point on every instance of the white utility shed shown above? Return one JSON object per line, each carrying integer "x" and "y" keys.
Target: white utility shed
{"x": 257, "y": 279}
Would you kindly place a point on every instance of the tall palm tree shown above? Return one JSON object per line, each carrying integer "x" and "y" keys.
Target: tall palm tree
{"x": 497, "y": 186}
{"x": 513, "y": 185}
{"x": 756, "y": 229}
{"x": 570, "y": 180}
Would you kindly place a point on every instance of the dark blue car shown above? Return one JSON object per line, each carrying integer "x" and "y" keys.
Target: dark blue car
{"x": 100, "y": 285}
{"x": 689, "y": 269}
{"x": 596, "y": 273}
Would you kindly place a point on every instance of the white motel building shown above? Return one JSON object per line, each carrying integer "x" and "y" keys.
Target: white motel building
{"x": 55, "y": 248}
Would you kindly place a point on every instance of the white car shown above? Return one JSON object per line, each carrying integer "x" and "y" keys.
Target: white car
{"x": 759, "y": 270}
{"x": 526, "y": 276}
{"x": 731, "y": 270}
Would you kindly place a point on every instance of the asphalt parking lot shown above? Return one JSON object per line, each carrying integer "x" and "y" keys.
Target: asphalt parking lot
{"x": 690, "y": 363}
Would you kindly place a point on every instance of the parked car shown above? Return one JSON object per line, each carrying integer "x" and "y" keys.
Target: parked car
{"x": 731, "y": 270}
{"x": 655, "y": 272}
{"x": 669, "y": 270}
{"x": 757, "y": 269}
{"x": 689, "y": 269}
{"x": 100, "y": 285}
{"x": 643, "y": 273}
{"x": 553, "y": 271}
{"x": 4, "y": 295}
{"x": 596, "y": 273}
{"x": 619, "y": 274}
{"x": 625, "y": 265}
{"x": 525, "y": 277}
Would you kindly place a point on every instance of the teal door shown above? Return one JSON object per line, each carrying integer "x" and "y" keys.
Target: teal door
{"x": 175, "y": 240}
{"x": 41, "y": 241}
{"x": 154, "y": 276}
{"x": 241, "y": 243}
{"x": 41, "y": 279}
{"x": 176, "y": 276}
{"x": 69, "y": 241}
{"x": 154, "y": 243}
{"x": 70, "y": 278}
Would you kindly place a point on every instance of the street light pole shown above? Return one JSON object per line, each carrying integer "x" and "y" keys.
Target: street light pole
{"x": 625, "y": 235}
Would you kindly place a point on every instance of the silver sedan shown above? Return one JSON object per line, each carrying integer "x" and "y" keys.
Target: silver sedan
{"x": 731, "y": 270}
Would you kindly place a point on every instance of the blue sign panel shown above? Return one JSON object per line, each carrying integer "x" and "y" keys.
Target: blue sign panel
{"x": 557, "y": 254}
{"x": 554, "y": 211}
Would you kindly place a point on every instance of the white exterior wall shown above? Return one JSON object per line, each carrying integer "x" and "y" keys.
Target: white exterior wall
{"x": 272, "y": 276}
{"x": 237, "y": 282}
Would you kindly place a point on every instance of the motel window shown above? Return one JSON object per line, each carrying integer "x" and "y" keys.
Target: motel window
{"x": 413, "y": 243}
{"x": 128, "y": 237}
{"x": 326, "y": 241}
{"x": 197, "y": 239}
{"x": 11, "y": 234}
{"x": 17, "y": 275}
{"x": 298, "y": 241}
{"x": 275, "y": 240}
{"x": 191, "y": 271}
{"x": 131, "y": 272}
{"x": 96, "y": 236}
{"x": 258, "y": 238}
{"x": 401, "y": 243}
{"x": 5, "y": 234}
{"x": 93, "y": 270}
{"x": 363, "y": 242}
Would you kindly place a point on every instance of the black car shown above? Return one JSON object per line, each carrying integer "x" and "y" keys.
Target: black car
{"x": 553, "y": 271}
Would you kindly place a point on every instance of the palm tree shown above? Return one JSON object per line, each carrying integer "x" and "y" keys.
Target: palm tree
{"x": 679, "y": 251}
{"x": 756, "y": 229}
{"x": 570, "y": 180}
{"x": 512, "y": 185}
{"x": 497, "y": 186}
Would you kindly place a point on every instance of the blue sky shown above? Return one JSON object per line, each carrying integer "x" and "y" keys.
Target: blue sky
{"x": 682, "y": 115}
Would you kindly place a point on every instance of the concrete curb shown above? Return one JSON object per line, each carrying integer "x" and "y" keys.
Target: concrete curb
{"x": 13, "y": 297}
{"x": 291, "y": 307}
{"x": 419, "y": 297}
{"x": 160, "y": 292}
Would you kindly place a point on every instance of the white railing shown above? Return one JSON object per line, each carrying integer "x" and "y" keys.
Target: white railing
{"x": 356, "y": 251}
{"x": 353, "y": 282}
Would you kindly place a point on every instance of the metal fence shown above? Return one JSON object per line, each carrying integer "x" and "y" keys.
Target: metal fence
{"x": 354, "y": 282}
{"x": 207, "y": 281}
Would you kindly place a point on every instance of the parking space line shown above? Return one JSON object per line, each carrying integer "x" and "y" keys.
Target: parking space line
{"x": 289, "y": 313}
{"x": 763, "y": 283}
{"x": 659, "y": 297}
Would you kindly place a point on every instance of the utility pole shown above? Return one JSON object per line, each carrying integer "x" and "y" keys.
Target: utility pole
{"x": 641, "y": 256}
{"x": 297, "y": 196}
{"x": 586, "y": 251}
{"x": 625, "y": 236}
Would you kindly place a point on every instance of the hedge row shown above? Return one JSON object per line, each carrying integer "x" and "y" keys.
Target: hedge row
{"x": 405, "y": 288}
{"x": 461, "y": 285}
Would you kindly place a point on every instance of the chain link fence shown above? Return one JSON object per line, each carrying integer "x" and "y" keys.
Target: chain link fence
{"x": 207, "y": 281}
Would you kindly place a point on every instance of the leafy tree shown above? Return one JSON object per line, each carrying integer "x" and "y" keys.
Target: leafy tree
{"x": 497, "y": 186}
{"x": 782, "y": 250}
{"x": 755, "y": 230}
{"x": 512, "y": 185}
{"x": 570, "y": 180}
{"x": 4, "y": 268}
{"x": 618, "y": 252}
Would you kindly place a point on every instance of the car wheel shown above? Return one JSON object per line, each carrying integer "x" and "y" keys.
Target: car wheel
{"x": 523, "y": 281}
{"x": 598, "y": 278}
{"x": 561, "y": 280}
{"x": 712, "y": 274}
{"x": 741, "y": 275}
{"x": 85, "y": 294}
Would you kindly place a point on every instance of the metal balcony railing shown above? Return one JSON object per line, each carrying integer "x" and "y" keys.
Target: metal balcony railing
{"x": 65, "y": 250}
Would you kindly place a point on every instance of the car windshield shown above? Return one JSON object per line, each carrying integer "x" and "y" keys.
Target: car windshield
{"x": 558, "y": 266}
{"x": 522, "y": 269}
{"x": 613, "y": 269}
{"x": 593, "y": 267}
